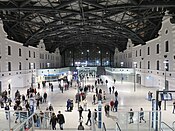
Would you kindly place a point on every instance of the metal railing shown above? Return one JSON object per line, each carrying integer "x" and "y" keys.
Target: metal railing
{"x": 166, "y": 127}
{"x": 118, "y": 127}
{"x": 173, "y": 125}
{"x": 93, "y": 122}
{"x": 42, "y": 121}
{"x": 103, "y": 127}
{"x": 28, "y": 124}
{"x": 11, "y": 119}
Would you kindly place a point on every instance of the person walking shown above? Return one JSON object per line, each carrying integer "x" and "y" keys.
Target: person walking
{"x": 68, "y": 104}
{"x": 37, "y": 104}
{"x": 112, "y": 105}
{"x": 81, "y": 127}
{"x": 110, "y": 90}
{"x": 96, "y": 91}
{"x": 173, "y": 107}
{"x": 106, "y": 82}
{"x": 114, "y": 81}
{"x": 60, "y": 119}
{"x": 94, "y": 99}
{"x": 7, "y": 108}
{"x": 104, "y": 95}
{"x": 53, "y": 121}
{"x": 113, "y": 88}
{"x": 50, "y": 108}
{"x": 159, "y": 104}
{"x": 116, "y": 95}
{"x": 45, "y": 97}
{"x": 51, "y": 86}
{"x": 116, "y": 105}
{"x": 142, "y": 115}
{"x": 95, "y": 115}
{"x": 107, "y": 109}
{"x": 80, "y": 112}
{"x": 131, "y": 114}
{"x": 89, "y": 117}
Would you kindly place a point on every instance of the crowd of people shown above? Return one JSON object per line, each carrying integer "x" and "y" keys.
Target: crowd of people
{"x": 32, "y": 100}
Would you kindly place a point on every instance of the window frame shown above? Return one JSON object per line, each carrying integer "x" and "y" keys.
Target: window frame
{"x": 9, "y": 66}
{"x": 9, "y": 50}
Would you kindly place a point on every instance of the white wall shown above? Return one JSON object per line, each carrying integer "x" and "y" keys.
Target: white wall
{"x": 23, "y": 77}
{"x": 153, "y": 77}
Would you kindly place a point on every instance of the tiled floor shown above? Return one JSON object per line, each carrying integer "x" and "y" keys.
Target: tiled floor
{"x": 127, "y": 99}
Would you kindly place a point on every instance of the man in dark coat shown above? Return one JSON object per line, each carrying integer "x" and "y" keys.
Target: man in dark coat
{"x": 116, "y": 105}
{"x": 53, "y": 121}
{"x": 80, "y": 110}
{"x": 61, "y": 120}
{"x": 45, "y": 96}
{"x": 89, "y": 117}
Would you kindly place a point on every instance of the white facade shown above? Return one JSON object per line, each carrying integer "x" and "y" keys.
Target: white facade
{"x": 24, "y": 61}
{"x": 150, "y": 58}
{"x": 125, "y": 56}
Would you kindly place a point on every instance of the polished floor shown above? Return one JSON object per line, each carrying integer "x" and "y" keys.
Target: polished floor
{"x": 127, "y": 99}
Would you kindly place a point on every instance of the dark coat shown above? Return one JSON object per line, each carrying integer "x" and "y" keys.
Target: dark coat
{"x": 60, "y": 118}
{"x": 53, "y": 120}
{"x": 45, "y": 95}
{"x": 89, "y": 114}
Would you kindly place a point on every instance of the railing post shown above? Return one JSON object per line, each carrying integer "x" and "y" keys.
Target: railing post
{"x": 160, "y": 114}
{"x": 116, "y": 127}
{"x": 23, "y": 128}
{"x": 9, "y": 120}
{"x": 19, "y": 113}
{"x": 150, "y": 121}
{"x": 45, "y": 124}
{"x": 99, "y": 114}
{"x": 127, "y": 121}
{"x": 33, "y": 123}
{"x": 40, "y": 120}
{"x": 138, "y": 122}
{"x": 93, "y": 122}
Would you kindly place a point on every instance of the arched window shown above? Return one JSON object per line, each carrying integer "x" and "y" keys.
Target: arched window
{"x": 20, "y": 66}
{"x": 29, "y": 54}
{"x": 9, "y": 50}
{"x": 148, "y": 51}
{"x": 9, "y": 66}
{"x": 140, "y": 52}
{"x": 157, "y": 49}
{"x": 140, "y": 64}
{"x": 33, "y": 54}
{"x": 0, "y": 48}
{"x": 19, "y": 52}
{"x": 148, "y": 64}
{"x": 157, "y": 65}
{"x": 29, "y": 65}
{"x": 166, "y": 46}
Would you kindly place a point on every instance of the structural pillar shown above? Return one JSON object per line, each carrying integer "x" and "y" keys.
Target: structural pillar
{"x": 100, "y": 57}
{"x": 110, "y": 59}
{"x": 64, "y": 61}
{"x": 73, "y": 57}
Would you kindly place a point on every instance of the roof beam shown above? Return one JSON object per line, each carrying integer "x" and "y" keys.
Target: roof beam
{"x": 135, "y": 2}
{"x": 92, "y": 3}
{"x": 14, "y": 3}
{"x": 64, "y": 4}
{"x": 24, "y": 3}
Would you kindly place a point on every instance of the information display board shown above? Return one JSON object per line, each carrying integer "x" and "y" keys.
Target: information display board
{"x": 166, "y": 96}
